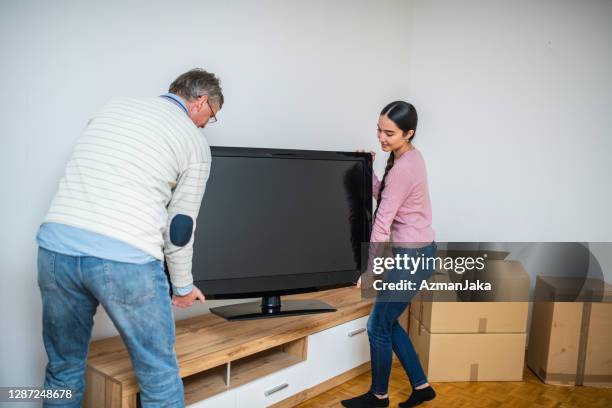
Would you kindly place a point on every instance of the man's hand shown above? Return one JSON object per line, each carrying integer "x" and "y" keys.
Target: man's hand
{"x": 187, "y": 300}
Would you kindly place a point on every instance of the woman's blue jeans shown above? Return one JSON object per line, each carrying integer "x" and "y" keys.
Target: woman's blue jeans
{"x": 384, "y": 331}
{"x": 135, "y": 296}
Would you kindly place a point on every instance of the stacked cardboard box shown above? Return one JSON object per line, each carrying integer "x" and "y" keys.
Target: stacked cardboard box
{"x": 471, "y": 336}
{"x": 570, "y": 342}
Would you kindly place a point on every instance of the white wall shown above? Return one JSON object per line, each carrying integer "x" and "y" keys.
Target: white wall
{"x": 514, "y": 101}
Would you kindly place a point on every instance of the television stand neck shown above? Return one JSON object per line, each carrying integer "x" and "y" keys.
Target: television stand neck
{"x": 271, "y": 303}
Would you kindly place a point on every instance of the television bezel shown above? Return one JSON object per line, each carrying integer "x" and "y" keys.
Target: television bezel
{"x": 348, "y": 276}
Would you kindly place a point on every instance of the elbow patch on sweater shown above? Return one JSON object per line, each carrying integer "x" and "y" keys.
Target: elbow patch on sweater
{"x": 181, "y": 229}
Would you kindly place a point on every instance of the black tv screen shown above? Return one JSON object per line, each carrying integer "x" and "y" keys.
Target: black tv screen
{"x": 281, "y": 221}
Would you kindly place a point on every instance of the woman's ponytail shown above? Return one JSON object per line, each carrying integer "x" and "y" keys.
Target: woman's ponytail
{"x": 390, "y": 162}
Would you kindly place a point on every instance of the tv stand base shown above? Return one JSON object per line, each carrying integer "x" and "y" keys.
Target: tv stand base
{"x": 271, "y": 307}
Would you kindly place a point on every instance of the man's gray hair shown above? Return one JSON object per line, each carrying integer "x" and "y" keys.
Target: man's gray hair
{"x": 195, "y": 83}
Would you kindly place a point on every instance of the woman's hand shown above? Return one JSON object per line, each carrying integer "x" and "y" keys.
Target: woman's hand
{"x": 372, "y": 152}
{"x": 359, "y": 283}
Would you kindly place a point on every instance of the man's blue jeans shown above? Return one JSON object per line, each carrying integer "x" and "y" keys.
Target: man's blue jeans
{"x": 384, "y": 331}
{"x": 135, "y": 296}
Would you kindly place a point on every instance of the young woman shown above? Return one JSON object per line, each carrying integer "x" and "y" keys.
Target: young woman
{"x": 402, "y": 216}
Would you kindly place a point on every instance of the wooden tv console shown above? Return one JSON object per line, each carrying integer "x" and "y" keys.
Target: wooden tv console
{"x": 265, "y": 362}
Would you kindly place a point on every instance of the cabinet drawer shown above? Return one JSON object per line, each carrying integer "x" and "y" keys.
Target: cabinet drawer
{"x": 273, "y": 388}
{"x": 333, "y": 351}
{"x": 226, "y": 399}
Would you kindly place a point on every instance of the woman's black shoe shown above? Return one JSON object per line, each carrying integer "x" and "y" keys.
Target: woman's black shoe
{"x": 367, "y": 400}
{"x": 418, "y": 397}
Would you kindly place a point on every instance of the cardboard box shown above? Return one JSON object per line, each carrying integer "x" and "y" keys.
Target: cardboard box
{"x": 471, "y": 317}
{"x": 509, "y": 282}
{"x": 469, "y": 357}
{"x": 508, "y": 279}
{"x": 442, "y": 312}
{"x": 570, "y": 343}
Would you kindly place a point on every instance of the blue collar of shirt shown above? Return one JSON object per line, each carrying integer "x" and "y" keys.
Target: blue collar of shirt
{"x": 176, "y": 100}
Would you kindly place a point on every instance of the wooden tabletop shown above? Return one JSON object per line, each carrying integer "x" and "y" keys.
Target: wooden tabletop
{"x": 209, "y": 341}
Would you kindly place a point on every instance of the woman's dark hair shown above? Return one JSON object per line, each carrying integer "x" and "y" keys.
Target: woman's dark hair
{"x": 404, "y": 115}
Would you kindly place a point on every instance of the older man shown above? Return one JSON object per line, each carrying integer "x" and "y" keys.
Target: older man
{"x": 128, "y": 199}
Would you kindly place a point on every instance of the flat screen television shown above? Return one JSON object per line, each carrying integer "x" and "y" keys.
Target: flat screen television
{"x": 277, "y": 222}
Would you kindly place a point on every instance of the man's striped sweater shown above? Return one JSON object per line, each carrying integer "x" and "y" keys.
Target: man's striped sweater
{"x": 140, "y": 166}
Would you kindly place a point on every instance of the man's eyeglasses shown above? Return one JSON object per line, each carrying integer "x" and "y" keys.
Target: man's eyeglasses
{"x": 213, "y": 118}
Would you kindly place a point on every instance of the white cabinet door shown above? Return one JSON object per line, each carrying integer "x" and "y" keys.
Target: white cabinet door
{"x": 331, "y": 352}
{"x": 338, "y": 349}
{"x": 273, "y": 388}
{"x": 226, "y": 399}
